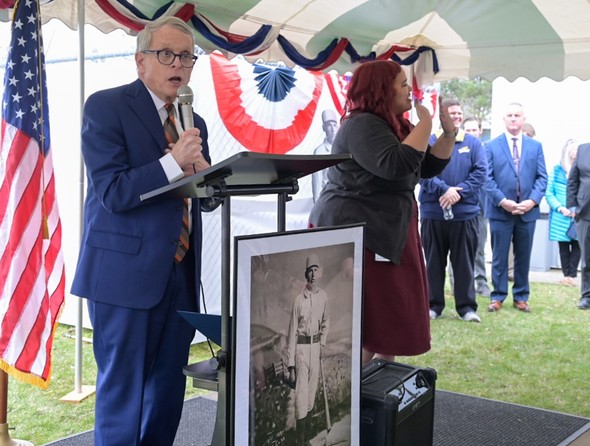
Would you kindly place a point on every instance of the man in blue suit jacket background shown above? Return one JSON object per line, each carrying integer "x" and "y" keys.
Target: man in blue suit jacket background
{"x": 126, "y": 267}
{"x": 517, "y": 180}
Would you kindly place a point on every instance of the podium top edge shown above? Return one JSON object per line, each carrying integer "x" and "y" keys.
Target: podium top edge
{"x": 251, "y": 167}
{"x": 273, "y": 156}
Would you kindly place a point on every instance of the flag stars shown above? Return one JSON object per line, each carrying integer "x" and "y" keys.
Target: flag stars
{"x": 18, "y": 24}
{"x": 16, "y": 97}
{"x": 20, "y": 114}
{"x": 29, "y": 75}
{"x": 25, "y": 58}
{"x": 13, "y": 81}
{"x": 22, "y": 41}
{"x": 34, "y": 108}
{"x": 32, "y": 18}
{"x": 32, "y": 91}
{"x": 37, "y": 124}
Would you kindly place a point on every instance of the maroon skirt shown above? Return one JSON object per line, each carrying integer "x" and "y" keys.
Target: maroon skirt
{"x": 395, "y": 301}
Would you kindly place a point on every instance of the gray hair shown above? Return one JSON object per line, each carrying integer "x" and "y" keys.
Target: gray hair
{"x": 144, "y": 37}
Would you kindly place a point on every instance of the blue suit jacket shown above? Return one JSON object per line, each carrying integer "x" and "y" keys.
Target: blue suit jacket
{"x": 502, "y": 177}
{"x": 127, "y": 248}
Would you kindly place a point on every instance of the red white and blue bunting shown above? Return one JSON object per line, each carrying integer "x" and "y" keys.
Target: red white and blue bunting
{"x": 131, "y": 18}
{"x": 266, "y": 108}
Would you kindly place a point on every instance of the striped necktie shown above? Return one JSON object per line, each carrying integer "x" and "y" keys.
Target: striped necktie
{"x": 172, "y": 137}
{"x": 516, "y": 158}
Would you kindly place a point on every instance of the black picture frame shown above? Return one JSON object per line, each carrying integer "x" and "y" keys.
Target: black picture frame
{"x": 270, "y": 273}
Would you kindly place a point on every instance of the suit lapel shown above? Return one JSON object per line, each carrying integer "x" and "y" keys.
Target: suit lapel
{"x": 524, "y": 149}
{"x": 142, "y": 105}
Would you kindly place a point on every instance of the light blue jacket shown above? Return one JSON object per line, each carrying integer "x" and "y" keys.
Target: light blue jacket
{"x": 556, "y": 197}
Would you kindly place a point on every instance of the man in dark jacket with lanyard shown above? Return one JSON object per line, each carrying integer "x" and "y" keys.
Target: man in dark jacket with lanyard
{"x": 449, "y": 207}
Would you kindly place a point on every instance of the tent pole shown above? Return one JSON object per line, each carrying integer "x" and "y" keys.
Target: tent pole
{"x": 80, "y": 391}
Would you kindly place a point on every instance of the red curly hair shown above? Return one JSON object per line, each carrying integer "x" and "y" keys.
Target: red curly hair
{"x": 371, "y": 90}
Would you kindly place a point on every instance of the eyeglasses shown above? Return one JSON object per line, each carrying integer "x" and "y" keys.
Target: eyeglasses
{"x": 166, "y": 57}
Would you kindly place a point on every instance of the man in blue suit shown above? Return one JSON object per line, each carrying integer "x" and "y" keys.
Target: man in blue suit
{"x": 126, "y": 267}
{"x": 517, "y": 179}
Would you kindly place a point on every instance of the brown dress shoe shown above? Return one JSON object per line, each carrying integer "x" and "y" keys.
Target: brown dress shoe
{"x": 494, "y": 306}
{"x": 521, "y": 305}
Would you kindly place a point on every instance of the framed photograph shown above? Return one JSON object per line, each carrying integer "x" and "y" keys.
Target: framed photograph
{"x": 297, "y": 344}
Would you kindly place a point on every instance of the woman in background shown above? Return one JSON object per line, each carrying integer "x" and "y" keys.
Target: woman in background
{"x": 389, "y": 156}
{"x": 560, "y": 217}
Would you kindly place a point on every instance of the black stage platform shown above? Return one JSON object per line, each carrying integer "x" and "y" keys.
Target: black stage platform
{"x": 459, "y": 420}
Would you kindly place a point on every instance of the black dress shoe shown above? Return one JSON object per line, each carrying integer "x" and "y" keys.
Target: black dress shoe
{"x": 584, "y": 304}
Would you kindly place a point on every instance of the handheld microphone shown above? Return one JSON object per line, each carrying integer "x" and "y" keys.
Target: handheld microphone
{"x": 185, "y": 99}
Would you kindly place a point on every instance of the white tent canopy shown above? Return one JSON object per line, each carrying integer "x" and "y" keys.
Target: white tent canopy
{"x": 470, "y": 38}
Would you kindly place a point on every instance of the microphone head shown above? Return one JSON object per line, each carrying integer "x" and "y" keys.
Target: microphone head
{"x": 185, "y": 95}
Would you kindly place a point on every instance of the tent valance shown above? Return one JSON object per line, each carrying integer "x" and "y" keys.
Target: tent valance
{"x": 459, "y": 38}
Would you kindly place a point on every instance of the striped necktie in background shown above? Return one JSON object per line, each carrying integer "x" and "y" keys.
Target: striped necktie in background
{"x": 516, "y": 158}
{"x": 172, "y": 137}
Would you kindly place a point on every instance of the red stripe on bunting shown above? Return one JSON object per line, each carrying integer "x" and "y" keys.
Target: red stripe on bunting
{"x": 242, "y": 126}
{"x": 184, "y": 13}
{"x": 337, "y": 91}
{"x": 112, "y": 12}
{"x": 231, "y": 37}
{"x": 335, "y": 55}
{"x": 394, "y": 49}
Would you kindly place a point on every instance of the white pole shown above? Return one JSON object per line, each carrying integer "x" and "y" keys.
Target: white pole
{"x": 81, "y": 63}
{"x": 80, "y": 391}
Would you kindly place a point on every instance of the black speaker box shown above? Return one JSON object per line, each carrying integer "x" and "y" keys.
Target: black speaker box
{"x": 397, "y": 404}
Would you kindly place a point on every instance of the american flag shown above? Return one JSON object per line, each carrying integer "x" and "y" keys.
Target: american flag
{"x": 32, "y": 278}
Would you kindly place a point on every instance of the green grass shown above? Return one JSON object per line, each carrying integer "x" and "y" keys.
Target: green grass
{"x": 40, "y": 417}
{"x": 541, "y": 359}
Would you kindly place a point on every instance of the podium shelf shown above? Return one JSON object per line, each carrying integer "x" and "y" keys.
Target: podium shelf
{"x": 204, "y": 377}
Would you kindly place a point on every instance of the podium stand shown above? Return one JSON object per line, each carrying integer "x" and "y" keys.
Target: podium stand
{"x": 246, "y": 173}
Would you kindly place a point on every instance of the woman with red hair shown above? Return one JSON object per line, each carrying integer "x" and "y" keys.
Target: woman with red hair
{"x": 389, "y": 156}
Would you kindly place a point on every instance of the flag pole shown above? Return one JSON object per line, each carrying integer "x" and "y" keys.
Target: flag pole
{"x": 5, "y": 439}
{"x": 80, "y": 391}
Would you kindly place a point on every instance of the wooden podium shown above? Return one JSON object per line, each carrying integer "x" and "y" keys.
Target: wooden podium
{"x": 246, "y": 173}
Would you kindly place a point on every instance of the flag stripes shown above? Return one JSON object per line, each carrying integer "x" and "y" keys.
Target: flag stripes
{"x": 32, "y": 277}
